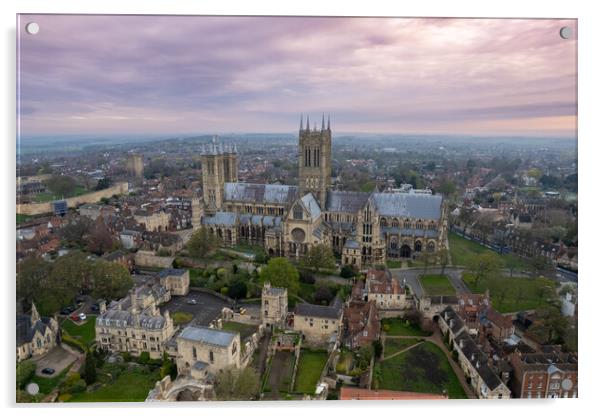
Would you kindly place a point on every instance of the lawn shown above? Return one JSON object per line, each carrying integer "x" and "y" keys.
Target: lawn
{"x": 423, "y": 369}
{"x": 85, "y": 332}
{"x": 463, "y": 250}
{"x": 393, "y": 264}
{"x": 21, "y": 218}
{"x": 397, "y": 327}
{"x": 345, "y": 362}
{"x": 513, "y": 294}
{"x": 311, "y": 364}
{"x": 130, "y": 386}
{"x": 437, "y": 284}
{"x": 181, "y": 318}
{"x": 392, "y": 345}
{"x": 49, "y": 196}
{"x": 47, "y": 384}
{"x": 249, "y": 249}
{"x": 243, "y": 329}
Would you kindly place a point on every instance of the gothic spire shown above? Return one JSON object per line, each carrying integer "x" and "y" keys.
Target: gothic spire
{"x": 307, "y": 128}
{"x": 322, "y": 121}
{"x": 301, "y": 123}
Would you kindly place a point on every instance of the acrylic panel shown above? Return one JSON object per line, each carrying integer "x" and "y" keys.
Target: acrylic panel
{"x": 216, "y": 208}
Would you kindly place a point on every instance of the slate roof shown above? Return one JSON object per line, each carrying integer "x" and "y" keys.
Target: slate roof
{"x": 409, "y": 232}
{"x": 116, "y": 317}
{"x": 318, "y": 311}
{"x": 172, "y": 272}
{"x": 351, "y": 243}
{"x": 208, "y": 335}
{"x": 260, "y": 193}
{"x": 478, "y": 360}
{"x": 346, "y": 201}
{"x": 450, "y": 316}
{"x": 26, "y": 331}
{"x": 311, "y": 205}
{"x": 221, "y": 218}
{"x": 408, "y": 205}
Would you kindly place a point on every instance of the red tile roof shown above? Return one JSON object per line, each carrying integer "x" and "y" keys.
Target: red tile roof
{"x": 353, "y": 393}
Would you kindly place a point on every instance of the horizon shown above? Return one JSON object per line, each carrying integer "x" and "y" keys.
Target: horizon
{"x": 374, "y": 76}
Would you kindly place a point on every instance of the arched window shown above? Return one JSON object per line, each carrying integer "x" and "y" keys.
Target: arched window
{"x": 298, "y": 212}
{"x": 407, "y": 224}
{"x": 395, "y": 223}
{"x": 383, "y": 222}
{"x": 419, "y": 225}
{"x": 418, "y": 246}
{"x": 430, "y": 247}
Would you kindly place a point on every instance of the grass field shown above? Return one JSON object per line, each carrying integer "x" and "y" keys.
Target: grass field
{"x": 85, "y": 332}
{"x": 397, "y": 327}
{"x": 311, "y": 364}
{"x": 181, "y": 318}
{"x": 130, "y": 386}
{"x": 422, "y": 369}
{"x": 513, "y": 294}
{"x": 21, "y": 218}
{"x": 244, "y": 329}
{"x": 437, "y": 284}
{"x": 463, "y": 250}
{"x": 47, "y": 384}
{"x": 49, "y": 196}
{"x": 393, "y": 264}
{"x": 392, "y": 345}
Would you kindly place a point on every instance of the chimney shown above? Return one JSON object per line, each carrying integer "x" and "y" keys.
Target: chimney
{"x": 102, "y": 306}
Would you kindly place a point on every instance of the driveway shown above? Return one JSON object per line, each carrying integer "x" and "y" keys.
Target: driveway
{"x": 58, "y": 359}
{"x": 208, "y": 307}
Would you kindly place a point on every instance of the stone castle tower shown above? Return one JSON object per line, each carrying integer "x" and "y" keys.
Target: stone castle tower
{"x": 315, "y": 160}
{"x": 135, "y": 166}
{"x": 219, "y": 165}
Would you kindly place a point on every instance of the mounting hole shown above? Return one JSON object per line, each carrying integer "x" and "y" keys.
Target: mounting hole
{"x": 566, "y": 32}
{"x": 32, "y": 28}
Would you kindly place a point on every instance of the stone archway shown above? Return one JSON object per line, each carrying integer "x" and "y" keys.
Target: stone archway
{"x": 406, "y": 251}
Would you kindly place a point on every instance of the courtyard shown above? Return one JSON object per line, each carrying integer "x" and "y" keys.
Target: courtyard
{"x": 437, "y": 285}
{"x": 206, "y": 308}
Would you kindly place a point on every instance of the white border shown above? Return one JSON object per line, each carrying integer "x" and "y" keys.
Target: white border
{"x": 590, "y": 33}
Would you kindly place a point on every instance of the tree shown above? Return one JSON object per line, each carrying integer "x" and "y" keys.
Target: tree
{"x": 540, "y": 264}
{"x": 347, "y": 271}
{"x": 31, "y": 276}
{"x": 447, "y": 188}
{"x": 319, "y": 257}
{"x": 281, "y": 273}
{"x": 25, "y": 371}
{"x": 237, "y": 384}
{"x": 485, "y": 264}
{"x": 426, "y": 258}
{"x": 443, "y": 258}
{"x": 238, "y": 289}
{"x": 89, "y": 370}
{"x": 76, "y": 230}
{"x": 168, "y": 368}
{"x": 100, "y": 240}
{"x": 61, "y": 185}
{"x": 202, "y": 243}
{"x": 103, "y": 183}
{"x": 377, "y": 346}
{"x": 323, "y": 294}
{"x": 552, "y": 322}
{"x": 109, "y": 280}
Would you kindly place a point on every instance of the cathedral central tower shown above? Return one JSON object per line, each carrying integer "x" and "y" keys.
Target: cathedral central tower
{"x": 315, "y": 160}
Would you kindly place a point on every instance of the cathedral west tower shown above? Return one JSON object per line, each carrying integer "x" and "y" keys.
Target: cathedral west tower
{"x": 315, "y": 160}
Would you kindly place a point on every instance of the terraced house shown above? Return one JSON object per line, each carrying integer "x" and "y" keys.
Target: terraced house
{"x": 287, "y": 220}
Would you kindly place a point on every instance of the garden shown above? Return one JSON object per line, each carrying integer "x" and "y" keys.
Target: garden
{"x": 422, "y": 369}
{"x": 311, "y": 364}
{"x": 402, "y": 327}
{"x": 82, "y": 333}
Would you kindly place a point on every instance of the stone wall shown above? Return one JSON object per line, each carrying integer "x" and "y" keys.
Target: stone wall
{"x": 90, "y": 198}
{"x": 146, "y": 258}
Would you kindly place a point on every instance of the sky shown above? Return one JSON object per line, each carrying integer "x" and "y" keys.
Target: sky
{"x": 87, "y": 74}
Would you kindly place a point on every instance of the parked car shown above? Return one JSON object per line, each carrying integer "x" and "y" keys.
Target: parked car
{"x": 95, "y": 307}
{"x": 67, "y": 310}
{"x": 82, "y": 316}
{"x": 191, "y": 301}
{"x": 48, "y": 371}
{"x": 75, "y": 317}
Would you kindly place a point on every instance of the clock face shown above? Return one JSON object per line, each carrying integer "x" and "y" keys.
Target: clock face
{"x": 298, "y": 235}
{"x": 567, "y": 384}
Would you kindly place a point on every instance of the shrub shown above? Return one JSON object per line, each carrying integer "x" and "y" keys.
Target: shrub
{"x": 386, "y": 327}
{"x": 347, "y": 271}
{"x": 306, "y": 276}
{"x": 144, "y": 357}
{"x": 65, "y": 397}
{"x": 78, "y": 387}
{"x": 25, "y": 371}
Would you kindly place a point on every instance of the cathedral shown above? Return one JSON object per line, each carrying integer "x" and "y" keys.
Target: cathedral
{"x": 363, "y": 228}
